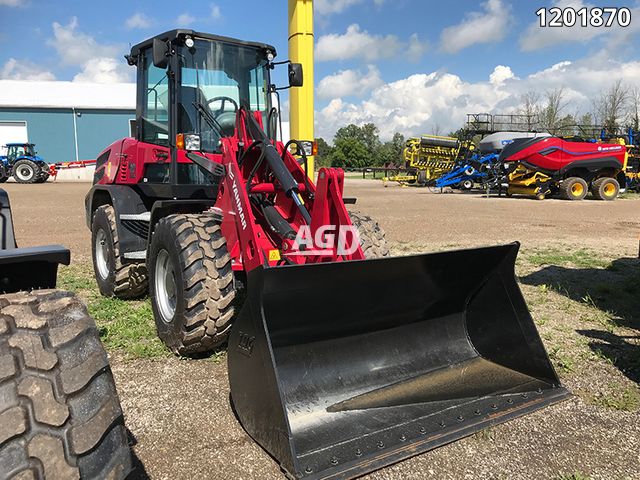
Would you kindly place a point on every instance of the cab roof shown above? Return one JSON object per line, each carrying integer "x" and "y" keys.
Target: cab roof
{"x": 172, "y": 35}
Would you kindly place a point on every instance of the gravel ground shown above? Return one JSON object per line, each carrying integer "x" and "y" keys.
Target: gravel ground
{"x": 178, "y": 410}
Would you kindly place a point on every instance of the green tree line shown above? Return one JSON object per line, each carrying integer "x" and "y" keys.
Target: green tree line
{"x": 358, "y": 147}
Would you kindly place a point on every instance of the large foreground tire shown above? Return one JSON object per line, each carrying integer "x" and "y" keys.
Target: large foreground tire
{"x": 573, "y": 188}
{"x": 60, "y": 417}
{"x": 605, "y": 188}
{"x": 192, "y": 284}
{"x": 115, "y": 279}
{"x": 26, "y": 171}
{"x": 372, "y": 237}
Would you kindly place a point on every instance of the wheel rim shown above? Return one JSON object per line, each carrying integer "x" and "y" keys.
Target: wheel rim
{"x": 577, "y": 189}
{"x": 24, "y": 172}
{"x": 102, "y": 254}
{"x": 609, "y": 189}
{"x": 165, "y": 283}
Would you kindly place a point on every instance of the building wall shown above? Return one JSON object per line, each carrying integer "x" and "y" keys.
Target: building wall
{"x": 53, "y": 133}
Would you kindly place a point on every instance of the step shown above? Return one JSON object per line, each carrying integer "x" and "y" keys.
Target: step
{"x": 140, "y": 255}
{"x": 141, "y": 217}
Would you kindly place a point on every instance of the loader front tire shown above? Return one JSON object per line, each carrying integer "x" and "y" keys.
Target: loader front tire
{"x": 115, "y": 279}
{"x": 192, "y": 284}
{"x": 60, "y": 416}
{"x": 372, "y": 237}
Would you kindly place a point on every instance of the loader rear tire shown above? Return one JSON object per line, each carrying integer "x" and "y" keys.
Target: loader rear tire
{"x": 60, "y": 416}
{"x": 605, "y": 188}
{"x": 192, "y": 283}
{"x": 115, "y": 279}
{"x": 372, "y": 237}
{"x": 573, "y": 188}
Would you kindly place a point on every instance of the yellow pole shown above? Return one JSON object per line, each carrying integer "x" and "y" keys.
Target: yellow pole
{"x": 301, "y": 51}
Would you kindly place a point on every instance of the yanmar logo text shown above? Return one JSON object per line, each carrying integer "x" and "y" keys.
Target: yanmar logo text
{"x": 236, "y": 196}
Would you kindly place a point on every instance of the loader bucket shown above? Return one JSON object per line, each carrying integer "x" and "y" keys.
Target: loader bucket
{"x": 338, "y": 369}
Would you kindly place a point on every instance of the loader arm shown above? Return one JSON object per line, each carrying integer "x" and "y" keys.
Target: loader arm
{"x": 266, "y": 200}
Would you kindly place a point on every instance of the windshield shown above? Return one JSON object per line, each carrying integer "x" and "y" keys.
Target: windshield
{"x": 15, "y": 151}
{"x": 217, "y": 79}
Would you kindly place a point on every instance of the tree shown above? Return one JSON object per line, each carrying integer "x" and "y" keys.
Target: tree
{"x": 633, "y": 116}
{"x": 391, "y": 152}
{"x": 323, "y": 159}
{"x": 370, "y": 137}
{"x": 551, "y": 118}
{"x": 350, "y": 131}
{"x": 531, "y": 109}
{"x": 349, "y": 152}
{"x": 611, "y": 106}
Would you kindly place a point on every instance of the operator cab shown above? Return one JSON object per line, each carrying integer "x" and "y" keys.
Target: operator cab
{"x": 190, "y": 86}
{"x": 17, "y": 150}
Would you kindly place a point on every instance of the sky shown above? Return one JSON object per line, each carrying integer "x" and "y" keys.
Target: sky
{"x": 412, "y": 66}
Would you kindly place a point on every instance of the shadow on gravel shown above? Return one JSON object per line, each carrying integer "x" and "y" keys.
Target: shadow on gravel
{"x": 615, "y": 290}
{"x": 139, "y": 472}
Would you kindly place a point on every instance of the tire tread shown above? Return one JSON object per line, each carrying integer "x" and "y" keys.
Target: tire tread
{"x": 40, "y": 441}
{"x": 209, "y": 291}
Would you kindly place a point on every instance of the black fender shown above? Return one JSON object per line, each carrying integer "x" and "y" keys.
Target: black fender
{"x": 164, "y": 208}
{"x": 125, "y": 200}
{"x": 26, "y": 268}
{"x": 594, "y": 165}
{"x": 7, "y": 237}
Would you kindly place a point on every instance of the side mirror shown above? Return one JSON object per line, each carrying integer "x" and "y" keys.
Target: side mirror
{"x": 295, "y": 75}
{"x": 160, "y": 53}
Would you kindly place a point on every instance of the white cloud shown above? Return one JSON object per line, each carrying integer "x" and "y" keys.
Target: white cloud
{"x": 489, "y": 26}
{"x": 103, "y": 70}
{"x": 357, "y": 43}
{"x": 184, "y": 20}
{"x": 98, "y": 62}
{"x": 216, "y": 14}
{"x": 500, "y": 75}
{"x": 349, "y": 82}
{"x": 416, "y": 48}
{"x": 138, "y": 20}
{"x": 414, "y": 104}
{"x": 536, "y": 37}
{"x": 12, "y": 3}
{"x": 75, "y": 47}
{"x": 24, "y": 70}
{"x": 329, "y": 7}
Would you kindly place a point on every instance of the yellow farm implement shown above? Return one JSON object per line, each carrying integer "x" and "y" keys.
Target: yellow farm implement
{"x": 431, "y": 156}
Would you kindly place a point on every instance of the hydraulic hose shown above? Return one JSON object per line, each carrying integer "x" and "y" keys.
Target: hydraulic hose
{"x": 277, "y": 166}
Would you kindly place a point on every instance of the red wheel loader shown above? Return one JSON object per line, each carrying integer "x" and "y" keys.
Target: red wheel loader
{"x": 207, "y": 210}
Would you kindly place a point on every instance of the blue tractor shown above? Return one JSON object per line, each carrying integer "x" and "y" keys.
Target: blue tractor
{"x": 23, "y": 164}
{"x": 478, "y": 169}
